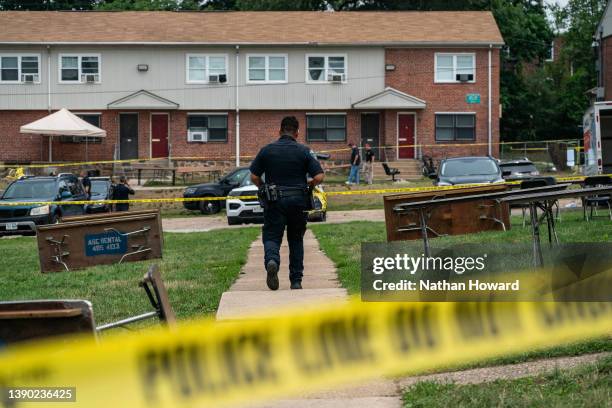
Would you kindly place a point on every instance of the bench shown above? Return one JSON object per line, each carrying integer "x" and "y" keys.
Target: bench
{"x": 213, "y": 172}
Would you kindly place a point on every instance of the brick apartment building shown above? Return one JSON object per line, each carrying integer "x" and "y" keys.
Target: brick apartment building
{"x": 216, "y": 84}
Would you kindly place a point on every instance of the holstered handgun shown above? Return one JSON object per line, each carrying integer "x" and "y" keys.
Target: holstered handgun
{"x": 267, "y": 194}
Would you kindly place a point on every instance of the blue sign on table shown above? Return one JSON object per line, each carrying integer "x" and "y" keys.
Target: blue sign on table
{"x": 106, "y": 243}
{"x": 472, "y": 98}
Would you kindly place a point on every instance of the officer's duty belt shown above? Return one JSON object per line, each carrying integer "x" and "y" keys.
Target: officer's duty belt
{"x": 291, "y": 192}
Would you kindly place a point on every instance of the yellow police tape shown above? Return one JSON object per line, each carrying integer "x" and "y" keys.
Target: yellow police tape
{"x": 208, "y": 364}
{"x": 344, "y": 149}
{"x": 223, "y": 198}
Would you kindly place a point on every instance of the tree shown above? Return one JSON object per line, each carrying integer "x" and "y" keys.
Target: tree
{"x": 38, "y": 5}
{"x": 275, "y": 5}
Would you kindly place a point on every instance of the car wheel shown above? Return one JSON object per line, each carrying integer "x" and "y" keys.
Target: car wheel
{"x": 210, "y": 207}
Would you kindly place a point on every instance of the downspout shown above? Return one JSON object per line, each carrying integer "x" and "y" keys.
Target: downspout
{"x": 237, "y": 96}
{"x": 49, "y": 98}
{"x": 490, "y": 127}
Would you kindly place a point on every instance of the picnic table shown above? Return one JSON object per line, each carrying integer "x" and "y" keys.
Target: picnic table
{"x": 158, "y": 172}
{"x": 213, "y": 172}
{"x": 470, "y": 209}
{"x": 544, "y": 201}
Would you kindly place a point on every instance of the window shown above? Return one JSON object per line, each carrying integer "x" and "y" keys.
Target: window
{"x": 320, "y": 68}
{"x": 267, "y": 68}
{"x": 449, "y": 66}
{"x": 455, "y": 127}
{"x": 20, "y": 68}
{"x": 326, "y": 128}
{"x": 550, "y": 52}
{"x": 80, "y": 68}
{"x": 91, "y": 118}
{"x": 206, "y": 128}
{"x": 201, "y": 67}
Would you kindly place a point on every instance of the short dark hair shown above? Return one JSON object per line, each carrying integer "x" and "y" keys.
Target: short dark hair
{"x": 289, "y": 124}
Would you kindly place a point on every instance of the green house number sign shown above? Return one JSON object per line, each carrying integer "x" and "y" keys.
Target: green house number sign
{"x": 472, "y": 98}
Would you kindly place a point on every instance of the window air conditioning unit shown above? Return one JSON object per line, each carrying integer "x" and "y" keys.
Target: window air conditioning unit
{"x": 29, "y": 78}
{"x": 90, "y": 78}
{"x": 600, "y": 93}
{"x": 198, "y": 135}
{"x": 217, "y": 78}
{"x": 335, "y": 78}
{"x": 464, "y": 77}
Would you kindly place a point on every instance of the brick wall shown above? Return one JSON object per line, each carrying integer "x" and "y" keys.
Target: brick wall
{"x": 607, "y": 67}
{"x": 414, "y": 75}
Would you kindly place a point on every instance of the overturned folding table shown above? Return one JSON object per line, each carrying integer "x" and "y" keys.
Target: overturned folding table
{"x": 490, "y": 206}
{"x": 544, "y": 201}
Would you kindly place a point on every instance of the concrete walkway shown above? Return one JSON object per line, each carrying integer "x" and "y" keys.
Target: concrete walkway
{"x": 249, "y": 296}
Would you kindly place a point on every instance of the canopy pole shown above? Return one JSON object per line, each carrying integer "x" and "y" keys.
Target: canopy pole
{"x": 50, "y": 149}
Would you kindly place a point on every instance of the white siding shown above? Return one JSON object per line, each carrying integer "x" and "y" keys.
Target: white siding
{"x": 166, "y": 77}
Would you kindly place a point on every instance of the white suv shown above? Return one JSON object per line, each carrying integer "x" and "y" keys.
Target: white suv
{"x": 243, "y": 210}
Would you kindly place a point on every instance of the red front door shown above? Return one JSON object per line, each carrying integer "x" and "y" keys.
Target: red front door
{"x": 405, "y": 136}
{"x": 159, "y": 135}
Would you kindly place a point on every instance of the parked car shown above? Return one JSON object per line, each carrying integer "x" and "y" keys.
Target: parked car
{"x": 467, "y": 170}
{"x": 220, "y": 188}
{"x": 23, "y": 219}
{"x": 247, "y": 210}
{"x": 243, "y": 210}
{"x": 101, "y": 189}
{"x": 513, "y": 170}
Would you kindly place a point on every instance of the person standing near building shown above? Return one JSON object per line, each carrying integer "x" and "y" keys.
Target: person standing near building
{"x": 285, "y": 164}
{"x": 122, "y": 191}
{"x": 86, "y": 181}
{"x": 353, "y": 177}
{"x": 369, "y": 163}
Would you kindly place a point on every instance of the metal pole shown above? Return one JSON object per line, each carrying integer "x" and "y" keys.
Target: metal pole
{"x": 535, "y": 233}
{"x": 490, "y": 119}
{"x": 424, "y": 231}
{"x": 123, "y": 322}
{"x": 237, "y": 95}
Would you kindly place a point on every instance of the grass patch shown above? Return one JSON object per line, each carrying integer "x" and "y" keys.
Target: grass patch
{"x": 587, "y": 386}
{"x": 197, "y": 268}
{"x": 342, "y": 243}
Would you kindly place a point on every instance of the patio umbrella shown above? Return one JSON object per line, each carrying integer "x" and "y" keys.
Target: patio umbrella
{"x": 62, "y": 123}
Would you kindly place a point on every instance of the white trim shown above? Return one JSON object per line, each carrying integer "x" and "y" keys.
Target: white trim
{"x": 206, "y": 68}
{"x": 397, "y": 135}
{"x": 88, "y": 113}
{"x": 454, "y": 113}
{"x": 267, "y": 68}
{"x": 208, "y": 113}
{"x": 151, "y": 132}
{"x": 19, "y": 62}
{"x": 80, "y": 56}
{"x": 454, "y": 55}
{"x": 427, "y": 44}
{"x": 325, "y": 68}
{"x": 325, "y": 113}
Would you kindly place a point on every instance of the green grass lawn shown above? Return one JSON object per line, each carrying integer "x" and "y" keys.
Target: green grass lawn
{"x": 197, "y": 268}
{"x": 587, "y": 386}
{"x": 342, "y": 243}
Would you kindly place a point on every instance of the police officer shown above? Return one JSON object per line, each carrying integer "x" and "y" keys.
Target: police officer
{"x": 286, "y": 164}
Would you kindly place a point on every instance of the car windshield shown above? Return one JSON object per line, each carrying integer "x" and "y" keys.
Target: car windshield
{"x": 27, "y": 189}
{"x": 518, "y": 167}
{"x": 99, "y": 187}
{"x": 469, "y": 167}
{"x": 236, "y": 176}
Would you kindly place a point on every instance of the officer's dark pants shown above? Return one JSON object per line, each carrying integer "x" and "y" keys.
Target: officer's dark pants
{"x": 289, "y": 212}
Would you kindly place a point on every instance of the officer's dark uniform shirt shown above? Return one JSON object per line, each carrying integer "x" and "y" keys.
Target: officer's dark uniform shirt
{"x": 285, "y": 163}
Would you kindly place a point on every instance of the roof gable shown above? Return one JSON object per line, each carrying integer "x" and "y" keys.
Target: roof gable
{"x": 390, "y": 98}
{"x": 295, "y": 27}
{"x": 143, "y": 100}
